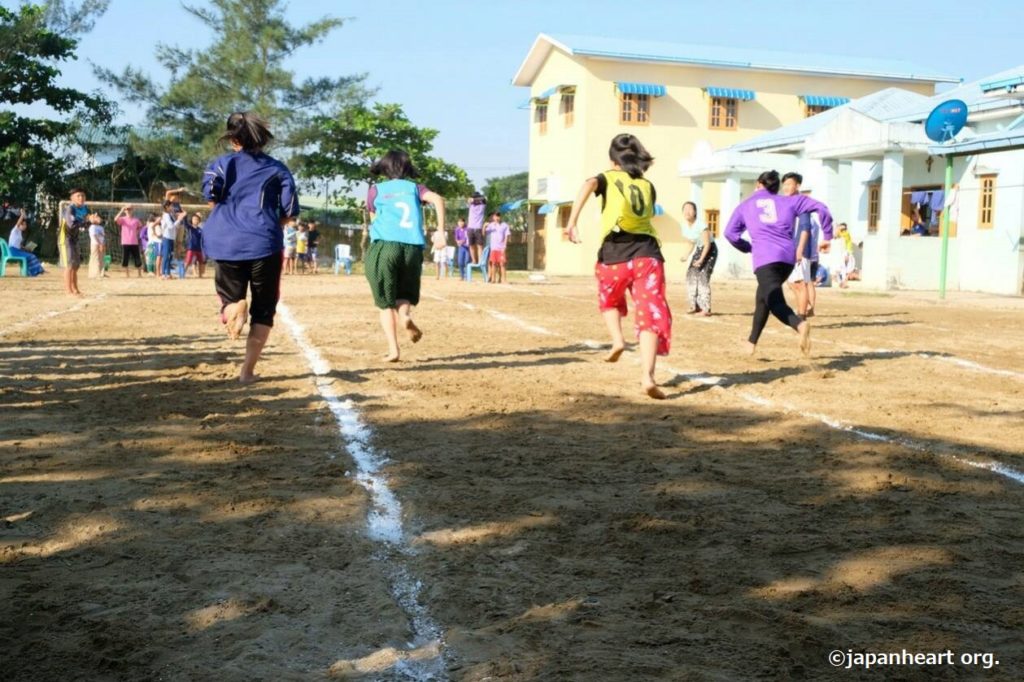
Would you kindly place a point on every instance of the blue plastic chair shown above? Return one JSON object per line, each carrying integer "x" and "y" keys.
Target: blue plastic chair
{"x": 5, "y": 256}
{"x": 343, "y": 258}
{"x": 481, "y": 266}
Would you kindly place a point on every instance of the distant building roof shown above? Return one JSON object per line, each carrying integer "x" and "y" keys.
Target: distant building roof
{"x": 722, "y": 57}
{"x": 880, "y": 106}
{"x": 975, "y": 94}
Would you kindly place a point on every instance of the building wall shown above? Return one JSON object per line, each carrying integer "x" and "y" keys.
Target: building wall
{"x": 678, "y": 122}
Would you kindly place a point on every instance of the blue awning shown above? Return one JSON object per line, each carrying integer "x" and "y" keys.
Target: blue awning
{"x": 1003, "y": 84}
{"x": 824, "y": 101}
{"x": 511, "y": 205}
{"x": 552, "y": 90}
{"x": 658, "y": 210}
{"x": 731, "y": 93}
{"x": 547, "y": 208}
{"x": 525, "y": 105}
{"x": 641, "y": 89}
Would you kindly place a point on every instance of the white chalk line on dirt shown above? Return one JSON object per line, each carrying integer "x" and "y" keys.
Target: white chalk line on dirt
{"x": 50, "y": 315}
{"x": 384, "y": 520}
{"x": 839, "y": 425}
{"x": 949, "y": 359}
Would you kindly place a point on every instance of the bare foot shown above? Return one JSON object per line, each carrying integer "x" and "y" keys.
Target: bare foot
{"x": 391, "y": 357}
{"x": 654, "y": 392}
{"x": 614, "y": 354}
{"x": 236, "y": 314}
{"x": 247, "y": 379}
{"x": 749, "y": 348}
{"x": 414, "y": 332}
{"x": 805, "y": 337}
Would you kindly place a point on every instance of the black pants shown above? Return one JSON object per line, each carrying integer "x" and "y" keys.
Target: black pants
{"x": 131, "y": 250}
{"x": 234, "y": 278}
{"x": 770, "y": 299}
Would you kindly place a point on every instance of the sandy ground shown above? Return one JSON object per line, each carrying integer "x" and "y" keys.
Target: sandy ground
{"x": 162, "y": 522}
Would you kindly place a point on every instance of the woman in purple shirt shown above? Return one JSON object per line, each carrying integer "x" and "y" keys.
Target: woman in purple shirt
{"x": 769, "y": 218}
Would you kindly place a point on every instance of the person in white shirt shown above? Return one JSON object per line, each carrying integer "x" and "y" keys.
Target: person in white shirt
{"x": 169, "y": 225}
{"x": 97, "y": 247}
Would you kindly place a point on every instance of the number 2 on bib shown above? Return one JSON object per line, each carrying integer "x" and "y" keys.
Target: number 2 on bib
{"x": 406, "y": 214}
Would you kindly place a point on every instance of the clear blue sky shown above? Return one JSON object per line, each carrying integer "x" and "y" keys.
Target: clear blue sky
{"x": 450, "y": 63}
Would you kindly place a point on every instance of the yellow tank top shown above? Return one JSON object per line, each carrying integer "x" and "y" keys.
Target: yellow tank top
{"x": 628, "y": 205}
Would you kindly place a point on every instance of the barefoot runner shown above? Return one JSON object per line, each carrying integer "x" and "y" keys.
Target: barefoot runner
{"x": 251, "y": 195}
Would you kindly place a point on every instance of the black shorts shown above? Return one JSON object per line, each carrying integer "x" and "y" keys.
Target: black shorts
{"x": 476, "y": 237}
{"x": 133, "y": 251}
{"x": 814, "y": 270}
{"x": 263, "y": 276}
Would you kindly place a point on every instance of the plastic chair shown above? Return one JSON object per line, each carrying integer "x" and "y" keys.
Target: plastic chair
{"x": 343, "y": 258}
{"x": 5, "y": 256}
{"x": 107, "y": 260}
{"x": 481, "y": 266}
{"x": 181, "y": 269}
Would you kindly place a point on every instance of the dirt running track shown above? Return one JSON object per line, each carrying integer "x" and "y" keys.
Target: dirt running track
{"x": 163, "y": 523}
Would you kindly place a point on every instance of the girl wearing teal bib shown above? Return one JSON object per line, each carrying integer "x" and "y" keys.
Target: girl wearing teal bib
{"x": 394, "y": 261}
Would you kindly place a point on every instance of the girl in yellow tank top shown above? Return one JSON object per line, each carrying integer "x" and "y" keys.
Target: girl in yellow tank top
{"x": 629, "y": 256}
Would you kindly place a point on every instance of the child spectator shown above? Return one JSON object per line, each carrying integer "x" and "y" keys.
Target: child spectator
{"x": 130, "y": 229}
{"x": 291, "y": 239}
{"x": 302, "y": 246}
{"x": 461, "y": 246}
{"x": 97, "y": 246}
{"x": 498, "y": 232}
{"x": 73, "y": 220}
{"x": 439, "y": 250}
{"x": 194, "y": 245}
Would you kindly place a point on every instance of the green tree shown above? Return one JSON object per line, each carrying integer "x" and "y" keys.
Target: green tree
{"x": 242, "y": 69}
{"x": 506, "y": 188}
{"x": 36, "y": 152}
{"x": 342, "y": 148}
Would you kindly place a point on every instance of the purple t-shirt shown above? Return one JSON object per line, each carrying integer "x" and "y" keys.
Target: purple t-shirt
{"x": 476, "y": 214}
{"x": 768, "y": 219}
{"x": 461, "y": 236}
{"x": 498, "y": 235}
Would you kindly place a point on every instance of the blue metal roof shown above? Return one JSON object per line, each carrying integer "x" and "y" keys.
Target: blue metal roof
{"x": 746, "y": 58}
{"x": 996, "y": 141}
{"x": 881, "y": 106}
{"x": 1002, "y": 84}
{"x": 547, "y": 208}
{"x": 731, "y": 93}
{"x": 824, "y": 101}
{"x": 642, "y": 89}
{"x": 511, "y": 205}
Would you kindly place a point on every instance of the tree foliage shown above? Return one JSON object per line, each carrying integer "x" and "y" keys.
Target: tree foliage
{"x": 243, "y": 68}
{"x": 35, "y": 151}
{"x": 342, "y": 147}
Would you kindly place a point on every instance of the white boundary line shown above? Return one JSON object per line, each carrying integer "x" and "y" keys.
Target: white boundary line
{"x": 720, "y": 382}
{"x": 53, "y": 313}
{"x": 384, "y": 519}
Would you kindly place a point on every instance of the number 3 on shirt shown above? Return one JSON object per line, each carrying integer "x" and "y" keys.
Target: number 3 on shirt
{"x": 406, "y": 214}
{"x": 769, "y": 214}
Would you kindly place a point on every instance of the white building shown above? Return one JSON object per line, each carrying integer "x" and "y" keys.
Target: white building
{"x": 871, "y": 162}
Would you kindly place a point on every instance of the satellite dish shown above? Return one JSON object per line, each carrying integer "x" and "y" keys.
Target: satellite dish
{"x": 946, "y": 120}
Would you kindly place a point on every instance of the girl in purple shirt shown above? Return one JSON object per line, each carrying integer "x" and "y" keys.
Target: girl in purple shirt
{"x": 461, "y": 246}
{"x": 769, "y": 218}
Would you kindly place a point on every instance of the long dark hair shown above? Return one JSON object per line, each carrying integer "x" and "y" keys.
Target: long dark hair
{"x": 770, "y": 181}
{"x": 247, "y": 130}
{"x": 627, "y": 153}
{"x": 395, "y": 165}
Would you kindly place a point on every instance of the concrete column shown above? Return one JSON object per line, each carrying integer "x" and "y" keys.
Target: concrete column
{"x": 879, "y": 246}
{"x": 697, "y": 194}
{"x": 735, "y": 264}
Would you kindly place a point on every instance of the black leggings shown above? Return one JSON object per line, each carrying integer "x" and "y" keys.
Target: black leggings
{"x": 769, "y": 298}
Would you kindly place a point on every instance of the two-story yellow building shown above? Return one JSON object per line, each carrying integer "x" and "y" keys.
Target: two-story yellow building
{"x": 678, "y": 99}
